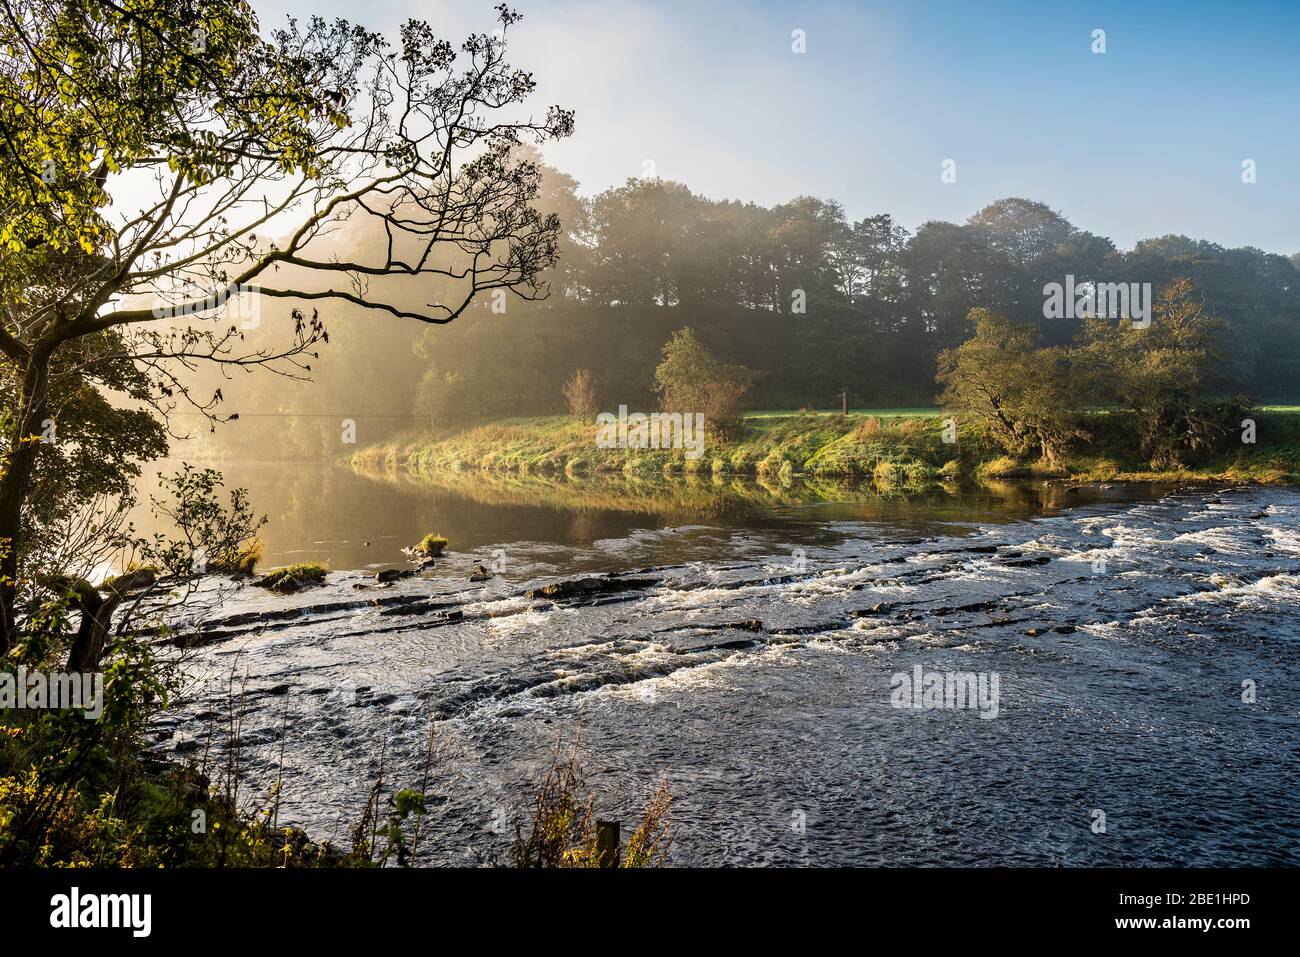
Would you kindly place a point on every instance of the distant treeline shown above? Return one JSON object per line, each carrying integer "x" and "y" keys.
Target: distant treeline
{"x": 814, "y": 302}
{"x": 879, "y": 304}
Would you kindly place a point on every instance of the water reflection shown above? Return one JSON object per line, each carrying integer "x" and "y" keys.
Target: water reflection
{"x": 328, "y": 512}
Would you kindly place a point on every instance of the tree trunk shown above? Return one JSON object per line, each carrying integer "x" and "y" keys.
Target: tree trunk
{"x": 15, "y": 483}
{"x": 92, "y": 635}
{"x": 97, "y": 615}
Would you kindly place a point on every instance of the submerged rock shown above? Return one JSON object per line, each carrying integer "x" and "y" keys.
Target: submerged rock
{"x": 1028, "y": 562}
{"x": 879, "y": 608}
{"x": 588, "y": 588}
{"x": 285, "y": 581}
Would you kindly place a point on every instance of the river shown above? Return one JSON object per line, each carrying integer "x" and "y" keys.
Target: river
{"x": 747, "y": 644}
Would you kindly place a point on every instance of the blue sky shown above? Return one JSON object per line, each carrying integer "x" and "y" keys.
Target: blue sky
{"x": 1145, "y": 139}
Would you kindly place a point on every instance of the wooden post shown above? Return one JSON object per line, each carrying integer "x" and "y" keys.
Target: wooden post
{"x": 607, "y": 840}
{"x": 844, "y": 398}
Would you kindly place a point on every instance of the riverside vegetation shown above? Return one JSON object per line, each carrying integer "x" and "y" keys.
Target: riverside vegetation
{"x": 862, "y": 446}
{"x": 1120, "y": 403}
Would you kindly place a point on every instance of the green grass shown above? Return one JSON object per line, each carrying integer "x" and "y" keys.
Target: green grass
{"x": 293, "y": 577}
{"x": 919, "y": 412}
{"x": 243, "y": 560}
{"x": 886, "y": 447}
{"x": 772, "y": 447}
{"x": 431, "y": 546}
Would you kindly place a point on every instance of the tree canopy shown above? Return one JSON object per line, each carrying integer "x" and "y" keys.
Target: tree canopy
{"x": 152, "y": 149}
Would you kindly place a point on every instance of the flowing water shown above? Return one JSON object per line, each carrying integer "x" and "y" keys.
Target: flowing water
{"x": 744, "y": 643}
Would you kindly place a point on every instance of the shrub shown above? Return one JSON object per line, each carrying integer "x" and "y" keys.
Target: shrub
{"x": 562, "y": 831}
{"x": 293, "y": 577}
{"x": 240, "y": 561}
{"x": 690, "y": 379}
{"x": 741, "y": 460}
{"x": 918, "y": 473}
{"x": 431, "y": 546}
{"x": 887, "y": 473}
{"x": 1002, "y": 467}
{"x": 867, "y": 430}
{"x": 913, "y": 429}
{"x": 580, "y": 395}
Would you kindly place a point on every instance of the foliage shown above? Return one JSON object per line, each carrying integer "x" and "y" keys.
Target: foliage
{"x": 556, "y": 453}
{"x": 562, "y": 830}
{"x": 212, "y": 536}
{"x": 649, "y": 257}
{"x": 1027, "y": 397}
{"x": 431, "y": 546}
{"x": 90, "y": 446}
{"x": 78, "y": 792}
{"x": 82, "y": 793}
{"x": 217, "y": 129}
{"x": 64, "y": 779}
{"x": 690, "y": 380}
{"x": 1169, "y": 375}
{"x": 241, "y": 561}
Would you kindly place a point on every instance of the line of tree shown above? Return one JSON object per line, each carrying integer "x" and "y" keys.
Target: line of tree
{"x": 814, "y": 302}
{"x": 821, "y": 304}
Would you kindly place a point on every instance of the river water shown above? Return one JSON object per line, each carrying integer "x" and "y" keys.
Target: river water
{"x": 744, "y": 643}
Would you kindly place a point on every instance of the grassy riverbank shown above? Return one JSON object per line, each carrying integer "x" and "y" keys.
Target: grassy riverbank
{"x": 875, "y": 446}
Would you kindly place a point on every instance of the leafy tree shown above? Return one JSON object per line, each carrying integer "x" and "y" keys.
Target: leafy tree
{"x": 690, "y": 379}
{"x": 653, "y": 256}
{"x": 1020, "y": 229}
{"x": 881, "y": 306}
{"x": 151, "y": 148}
{"x": 1025, "y": 396}
{"x": 1169, "y": 375}
{"x": 951, "y": 270}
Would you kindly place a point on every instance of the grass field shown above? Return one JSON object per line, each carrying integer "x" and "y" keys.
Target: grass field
{"x": 882, "y": 414}
{"x": 883, "y": 446}
{"x": 923, "y": 412}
